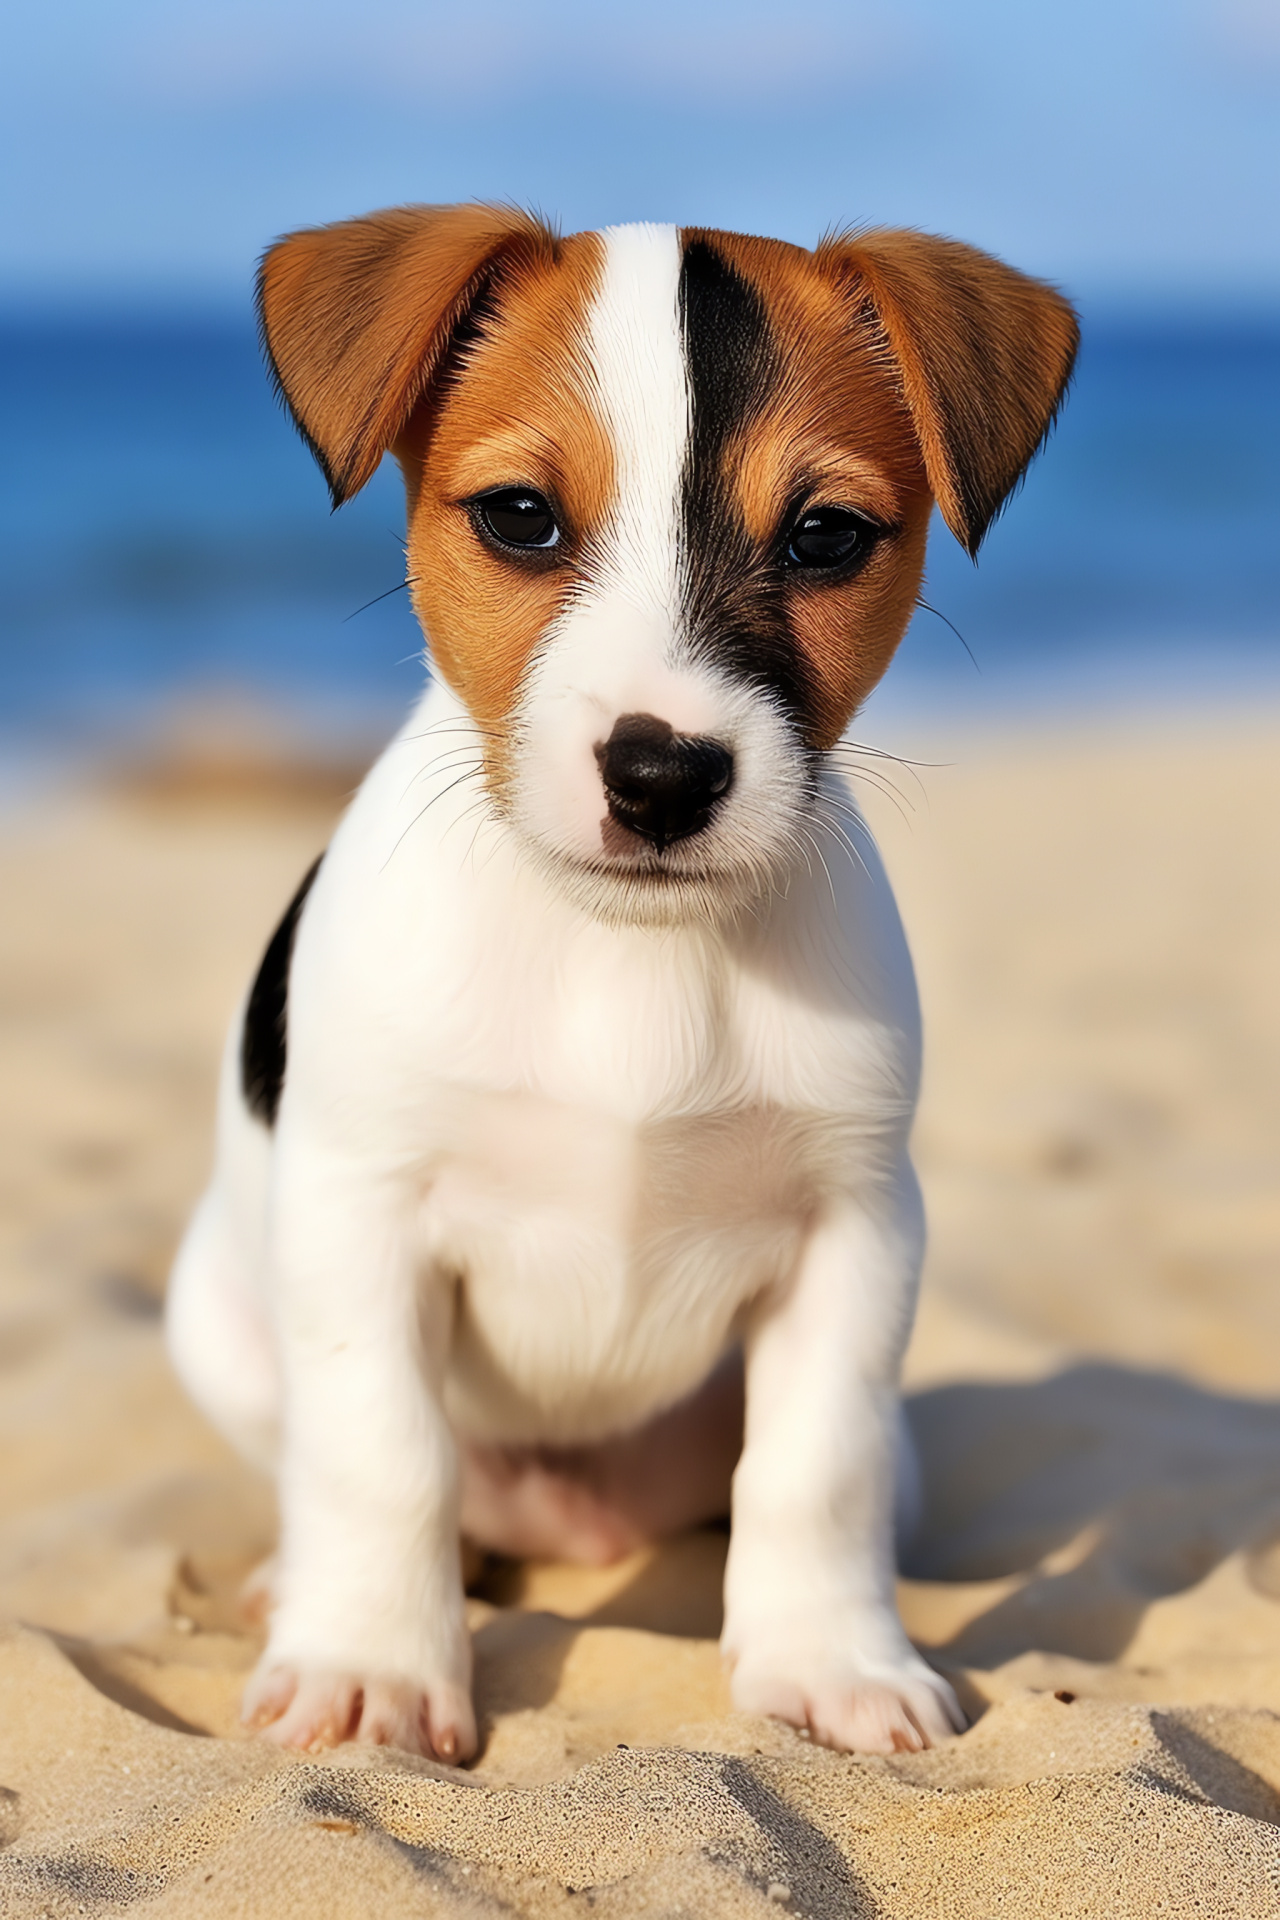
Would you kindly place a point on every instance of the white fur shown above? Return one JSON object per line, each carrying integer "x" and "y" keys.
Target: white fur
{"x": 539, "y": 1159}
{"x": 621, "y": 647}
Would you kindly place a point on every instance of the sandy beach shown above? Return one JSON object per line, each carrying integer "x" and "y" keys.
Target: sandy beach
{"x": 1094, "y": 1385}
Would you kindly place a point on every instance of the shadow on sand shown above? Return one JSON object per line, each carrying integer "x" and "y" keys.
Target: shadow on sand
{"x": 1103, "y": 1487}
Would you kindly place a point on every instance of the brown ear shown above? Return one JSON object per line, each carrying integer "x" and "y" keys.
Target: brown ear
{"x": 984, "y": 355}
{"x": 357, "y": 316}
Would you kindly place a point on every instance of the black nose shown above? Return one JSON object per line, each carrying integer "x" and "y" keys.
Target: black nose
{"x": 659, "y": 783}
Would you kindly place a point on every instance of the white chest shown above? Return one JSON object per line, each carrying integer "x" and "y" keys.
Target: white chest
{"x": 622, "y": 1133}
{"x": 649, "y": 1166}
{"x": 600, "y": 1263}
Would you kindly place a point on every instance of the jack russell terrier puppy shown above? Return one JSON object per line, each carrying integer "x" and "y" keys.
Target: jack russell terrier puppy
{"x": 574, "y": 1090}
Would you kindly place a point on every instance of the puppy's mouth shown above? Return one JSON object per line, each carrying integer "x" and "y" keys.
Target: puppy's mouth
{"x": 625, "y": 856}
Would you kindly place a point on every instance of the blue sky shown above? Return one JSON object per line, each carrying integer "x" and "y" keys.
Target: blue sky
{"x": 1128, "y": 148}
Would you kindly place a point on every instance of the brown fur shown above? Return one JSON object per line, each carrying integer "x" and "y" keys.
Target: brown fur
{"x": 519, "y": 410}
{"x": 983, "y": 354}
{"x": 359, "y": 320}
{"x": 834, "y": 426}
{"x": 357, "y": 317}
{"x": 911, "y": 368}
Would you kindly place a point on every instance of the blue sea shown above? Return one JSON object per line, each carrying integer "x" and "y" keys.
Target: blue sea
{"x": 166, "y": 538}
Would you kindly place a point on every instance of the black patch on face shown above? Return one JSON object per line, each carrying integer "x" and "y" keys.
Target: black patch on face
{"x": 735, "y": 602}
{"x": 264, "y": 1041}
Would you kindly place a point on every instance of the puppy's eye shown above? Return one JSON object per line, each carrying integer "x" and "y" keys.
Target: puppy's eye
{"x": 518, "y": 517}
{"x": 829, "y": 537}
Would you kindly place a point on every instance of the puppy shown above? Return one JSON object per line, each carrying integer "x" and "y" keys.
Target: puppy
{"x": 584, "y": 1062}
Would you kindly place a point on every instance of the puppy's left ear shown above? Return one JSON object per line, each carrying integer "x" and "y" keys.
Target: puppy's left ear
{"x": 983, "y": 354}
{"x": 357, "y": 317}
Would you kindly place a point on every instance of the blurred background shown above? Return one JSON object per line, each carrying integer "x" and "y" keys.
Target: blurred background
{"x": 166, "y": 544}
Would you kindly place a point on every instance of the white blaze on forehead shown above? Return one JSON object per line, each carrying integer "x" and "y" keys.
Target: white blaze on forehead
{"x": 637, "y": 355}
{"x": 618, "y": 647}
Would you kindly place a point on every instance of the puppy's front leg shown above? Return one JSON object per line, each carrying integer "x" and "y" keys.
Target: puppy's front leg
{"x": 368, "y": 1639}
{"x": 811, "y": 1623}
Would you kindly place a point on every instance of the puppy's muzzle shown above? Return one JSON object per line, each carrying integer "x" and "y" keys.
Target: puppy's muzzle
{"x": 661, "y": 784}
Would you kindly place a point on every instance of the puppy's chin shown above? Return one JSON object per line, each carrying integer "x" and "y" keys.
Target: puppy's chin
{"x": 675, "y": 889}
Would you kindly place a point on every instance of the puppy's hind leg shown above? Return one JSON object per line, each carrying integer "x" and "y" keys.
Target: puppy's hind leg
{"x": 218, "y": 1337}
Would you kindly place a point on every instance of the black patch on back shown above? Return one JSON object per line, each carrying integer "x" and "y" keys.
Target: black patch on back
{"x": 735, "y": 603}
{"x": 264, "y": 1040}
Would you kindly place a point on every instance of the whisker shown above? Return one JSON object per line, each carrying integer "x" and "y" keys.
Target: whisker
{"x": 480, "y": 801}
{"x": 846, "y": 808}
{"x": 464, "y": 745}
{"x": 854, "y": 753}
{"x": 853, "y": 771}
{"x": 904, "y": 810}
{"x": 808, "y": 863}
{"x": 834, "y": 827}
{"x": 450, "y": 724}
{"x": 881, "y": 782}
{"x": 842, "y": 803}
{"x": 452, "y": 756}
{"x": 860, "y": 749}
{"x": 482, "y": 807}
{"x": 924, "y": 604}
{"x": 846, "y": 745}
{"x": 825, "y": 868}
{"x": 468, "y": 774}
{"x": 398, "y": 588}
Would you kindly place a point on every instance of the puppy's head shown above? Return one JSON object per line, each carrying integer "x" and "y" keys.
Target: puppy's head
{"x": 668, "y": 497}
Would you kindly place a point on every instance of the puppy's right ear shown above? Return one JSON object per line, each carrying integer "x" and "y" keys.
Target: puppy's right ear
{"x": 356, "y": 318}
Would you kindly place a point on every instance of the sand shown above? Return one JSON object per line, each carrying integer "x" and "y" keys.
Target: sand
{"x": 1095, "y": 1386}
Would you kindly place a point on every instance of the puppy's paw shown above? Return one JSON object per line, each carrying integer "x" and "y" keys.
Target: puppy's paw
{"x": 312, "y": 1708}
{"x": 877, "y": 1710}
